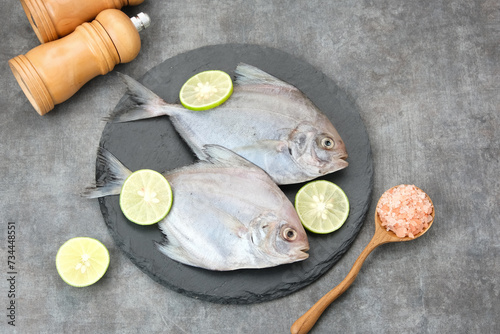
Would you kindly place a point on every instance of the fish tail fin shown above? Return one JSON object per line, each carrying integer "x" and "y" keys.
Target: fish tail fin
{"x": 143, "y": 103}
{"x": 112, "y": 179}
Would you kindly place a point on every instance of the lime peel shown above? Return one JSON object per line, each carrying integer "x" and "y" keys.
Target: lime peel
{"x": 146, "y": 197}
{"x": 82, "y": 261}
{"x": 322, "y": 206}
{"x": 206, "y": 90}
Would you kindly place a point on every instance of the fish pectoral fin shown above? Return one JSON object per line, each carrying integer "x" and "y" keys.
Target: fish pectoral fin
{"x": 270, "y": 145}
{"x": 278, "y": 145}
{"x": 262, "y": 148}
{"x": 265, "y": 152}
{"x": 235, "y": 226}
{"x": 223, "y": 217}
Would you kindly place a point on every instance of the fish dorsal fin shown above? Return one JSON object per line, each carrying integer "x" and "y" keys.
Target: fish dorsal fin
{"x": 219, "y": 155}
{"x": 251, "y": 75}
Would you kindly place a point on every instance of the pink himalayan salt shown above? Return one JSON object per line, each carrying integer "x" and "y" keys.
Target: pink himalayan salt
{"x": 405, "y": 210}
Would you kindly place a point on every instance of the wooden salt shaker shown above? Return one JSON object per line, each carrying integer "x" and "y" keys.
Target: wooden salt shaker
{"x": 52, "y": 19}
{"x": 52, "y": 72}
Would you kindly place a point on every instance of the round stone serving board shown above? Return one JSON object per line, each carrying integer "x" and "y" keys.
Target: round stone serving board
{"x": 155, "y": 144}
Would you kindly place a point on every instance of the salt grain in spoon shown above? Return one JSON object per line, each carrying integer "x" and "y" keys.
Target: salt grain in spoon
{"x": 403, "y": 213}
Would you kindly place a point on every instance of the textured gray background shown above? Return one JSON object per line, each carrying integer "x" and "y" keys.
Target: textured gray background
{"x": 425, "y": 76}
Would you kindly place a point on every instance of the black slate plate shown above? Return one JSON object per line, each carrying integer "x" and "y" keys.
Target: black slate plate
{"x": 155, "y": 144}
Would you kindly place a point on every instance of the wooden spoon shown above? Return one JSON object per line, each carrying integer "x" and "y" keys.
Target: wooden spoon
{"x": 381, "y": 236}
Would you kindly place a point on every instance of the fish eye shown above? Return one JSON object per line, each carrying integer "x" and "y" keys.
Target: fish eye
{"x": 327, "y": 143}
{"x": 289, "y": 234}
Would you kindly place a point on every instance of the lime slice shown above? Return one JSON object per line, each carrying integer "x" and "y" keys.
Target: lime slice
{"x": 206, "y": 90}
{"x": 82, "y": 261}
{"x": 322, "y": 206}
{"x": 146, "y": 197}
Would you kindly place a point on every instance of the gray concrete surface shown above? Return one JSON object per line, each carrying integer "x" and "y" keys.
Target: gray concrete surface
{"x": 425, "y": 75}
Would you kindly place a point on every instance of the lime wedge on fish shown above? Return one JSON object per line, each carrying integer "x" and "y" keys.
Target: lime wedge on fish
{"x": 82, "y": 261}
{"x": 206, "y": 90}
{"x": 145, "y": 197}
{"x": 322, "y": 206}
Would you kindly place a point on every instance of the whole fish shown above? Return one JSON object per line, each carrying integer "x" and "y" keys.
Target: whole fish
{"x": 267, "y": 121}
{"x": 227, "y": 213}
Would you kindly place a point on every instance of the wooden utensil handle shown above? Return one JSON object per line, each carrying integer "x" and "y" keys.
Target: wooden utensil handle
{"x": 308, "y": 320}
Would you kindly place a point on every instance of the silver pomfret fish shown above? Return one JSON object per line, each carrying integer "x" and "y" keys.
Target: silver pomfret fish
{"x": 267, "y": 121}
{"x": 227, "y": 214}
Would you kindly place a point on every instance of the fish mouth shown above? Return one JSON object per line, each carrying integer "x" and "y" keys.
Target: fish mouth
{"x": 336, "y": 164}
{"x": 341, "y": 160}
{"x": 302, "y": 253}
{"x": 341, "y": 154}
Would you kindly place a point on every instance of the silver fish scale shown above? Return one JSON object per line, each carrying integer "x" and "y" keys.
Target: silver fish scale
{"x": 251, "y": 114}
{"x": 267, "y": 121}
{"x": 227, "y": 215}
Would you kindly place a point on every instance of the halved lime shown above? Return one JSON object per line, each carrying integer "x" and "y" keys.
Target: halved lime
{"x": 322, "y": 206}
{"x": 146, "y": 197}
{"x": 82, "y": 261}
{"x": 206, "y": 90}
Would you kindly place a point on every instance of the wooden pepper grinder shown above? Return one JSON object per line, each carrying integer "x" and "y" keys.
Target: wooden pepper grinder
{"x": 52, "y": 72}
{"x": 52, "y": 19}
